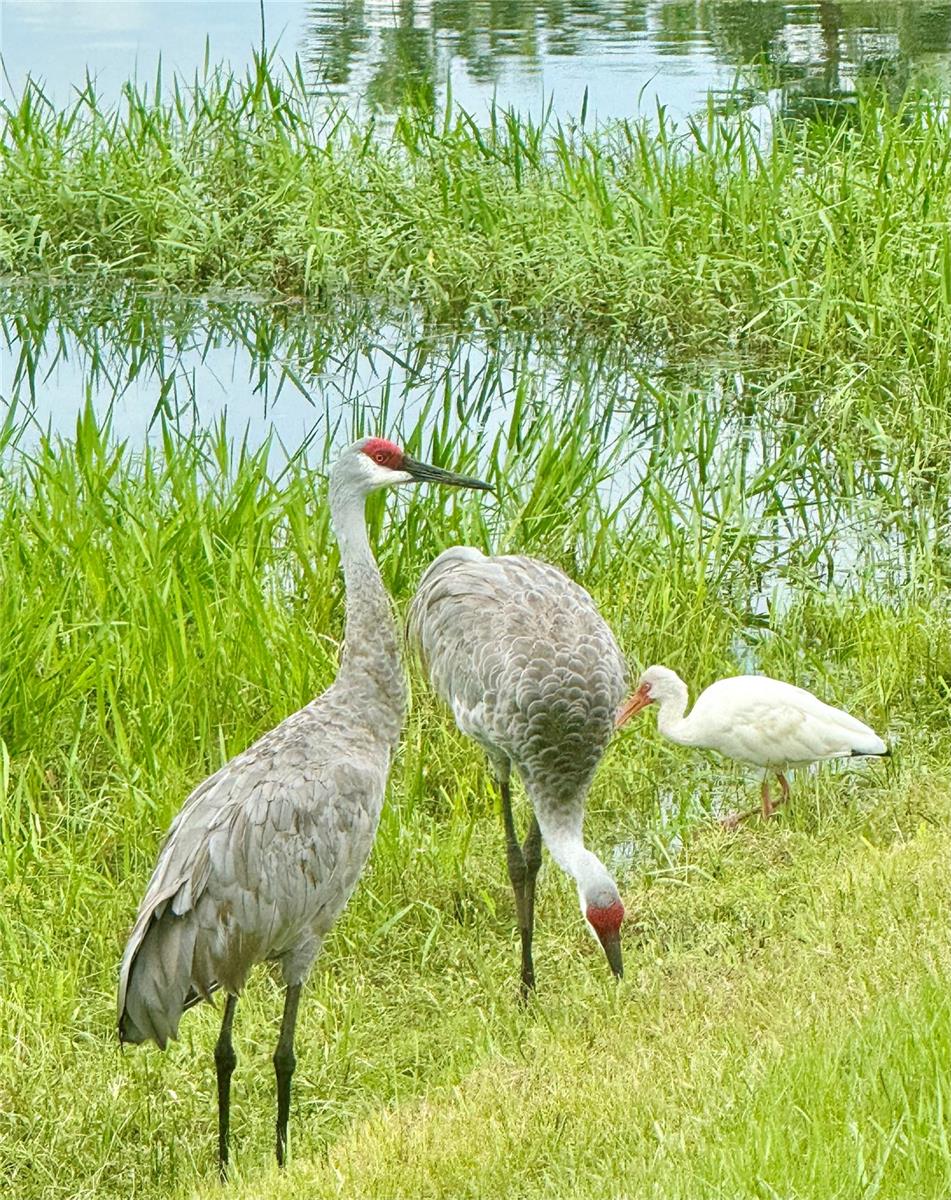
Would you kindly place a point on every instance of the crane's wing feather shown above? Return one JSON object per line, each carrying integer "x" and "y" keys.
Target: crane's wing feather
{"x": 521, "y": 654}
{"x": 258, "y": 863}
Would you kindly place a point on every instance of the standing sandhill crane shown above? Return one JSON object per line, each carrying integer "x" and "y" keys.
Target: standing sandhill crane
{"x": 756, "y": 720}
{"x": 264, "y": 855}
{"x": 533, "y": 674}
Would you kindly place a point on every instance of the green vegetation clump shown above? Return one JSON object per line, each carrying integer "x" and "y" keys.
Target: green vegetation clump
{"x": 804, "y": 238}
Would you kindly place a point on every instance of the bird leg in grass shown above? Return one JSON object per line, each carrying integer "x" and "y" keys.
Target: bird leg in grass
{"x": 284, "y": 1063}
{"x": 733, "y": 820}
{"x": 532, "y": 855}
{"x": 225, "y": 1060}
{"x": 767, "y": 806}
{"x": 770, "y": 805}
{"x": 766, "y": 809}
{"x": 519, "y": 875}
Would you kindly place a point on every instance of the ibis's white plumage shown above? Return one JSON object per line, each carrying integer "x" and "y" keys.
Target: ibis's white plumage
{"x": 753, "y": 719}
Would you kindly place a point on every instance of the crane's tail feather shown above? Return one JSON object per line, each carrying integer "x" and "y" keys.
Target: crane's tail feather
{"x": 159, "y": 984}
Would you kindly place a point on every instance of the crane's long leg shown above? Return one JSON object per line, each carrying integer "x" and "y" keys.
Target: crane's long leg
{"x": 225, "y": 1061}
{"x": 284, "y": 1063}
{"x": 767, "y": 803}
{"x": 532, "y": 857}
{"x": 518, "y": 873}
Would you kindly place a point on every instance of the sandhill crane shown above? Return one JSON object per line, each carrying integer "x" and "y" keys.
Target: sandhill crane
{"x": 533, "y": 674}
{"x": 756, "y": 720}
{"x": 263, "y": 856}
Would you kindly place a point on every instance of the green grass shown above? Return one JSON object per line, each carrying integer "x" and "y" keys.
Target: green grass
{"x": 775, "y": 1054}
{"x": 826, "y": 240}
{"x": 782, "y": 1029}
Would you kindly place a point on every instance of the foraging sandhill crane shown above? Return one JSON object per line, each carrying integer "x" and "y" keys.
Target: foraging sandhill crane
{"x": 756, "y": 720}
{"x": 263, "y": 856}
{"x": 533, "y": 674}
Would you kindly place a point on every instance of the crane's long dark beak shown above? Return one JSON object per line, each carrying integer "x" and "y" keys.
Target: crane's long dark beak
{"x": 611, "y": 943}
{"x": 425, "y": 473}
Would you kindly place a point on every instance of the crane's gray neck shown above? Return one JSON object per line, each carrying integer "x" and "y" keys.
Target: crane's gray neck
{"x": 671, "y": 706}
{"x": 371, "y": 668}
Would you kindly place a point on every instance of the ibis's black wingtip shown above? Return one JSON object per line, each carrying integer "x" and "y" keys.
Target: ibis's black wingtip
{"x": 886, "y": 753}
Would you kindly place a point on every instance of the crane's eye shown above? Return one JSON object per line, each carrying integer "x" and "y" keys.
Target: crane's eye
{"x": 379, "y": 457}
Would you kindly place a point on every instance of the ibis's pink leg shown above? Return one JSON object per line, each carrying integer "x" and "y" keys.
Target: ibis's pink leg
{"x": 769, "y": 805}
{"x": 766, "y": 808}
{"x": 734, "y": 820}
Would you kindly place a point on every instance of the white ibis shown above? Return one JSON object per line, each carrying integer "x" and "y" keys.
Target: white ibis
{"x": 756, "y": 720}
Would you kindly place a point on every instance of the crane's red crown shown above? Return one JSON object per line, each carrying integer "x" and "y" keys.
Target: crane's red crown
{"x": 387, "y": 454}
{"x": 606, "y": 920}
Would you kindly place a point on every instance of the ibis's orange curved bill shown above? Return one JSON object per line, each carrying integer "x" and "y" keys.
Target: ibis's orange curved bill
{"x": 639, "y": 700}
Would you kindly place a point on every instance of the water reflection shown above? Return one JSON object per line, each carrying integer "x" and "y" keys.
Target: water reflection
{"x": 710, "y": 458}
{"x": 391, "y": 52}
{"x": 624, "y": 56}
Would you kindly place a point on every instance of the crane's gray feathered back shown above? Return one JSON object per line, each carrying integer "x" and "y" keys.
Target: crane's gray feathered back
{"x": 258, "y": 865}
{"x": 528, "y": 665}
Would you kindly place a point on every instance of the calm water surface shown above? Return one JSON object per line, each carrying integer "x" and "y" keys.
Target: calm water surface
{"x": 627, "y": 55}
{"x": 716, "y": 446}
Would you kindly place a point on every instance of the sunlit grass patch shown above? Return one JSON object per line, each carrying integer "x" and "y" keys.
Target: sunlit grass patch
{"x": 809, "y": 1062}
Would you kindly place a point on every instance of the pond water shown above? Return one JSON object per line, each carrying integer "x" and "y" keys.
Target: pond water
{"x": 628, "y": 56}
{"x": 704, "y": 448}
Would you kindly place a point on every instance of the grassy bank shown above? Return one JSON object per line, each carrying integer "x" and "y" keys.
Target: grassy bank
{"x": 782, "y": 1030}
{"x": 825, "y": 240}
